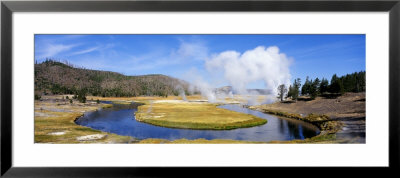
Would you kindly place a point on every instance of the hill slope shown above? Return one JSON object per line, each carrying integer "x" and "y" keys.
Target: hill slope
{"x": 58, "y": 78}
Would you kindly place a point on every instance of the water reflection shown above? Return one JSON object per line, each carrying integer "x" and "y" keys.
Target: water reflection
{"x": 120, "y": 120}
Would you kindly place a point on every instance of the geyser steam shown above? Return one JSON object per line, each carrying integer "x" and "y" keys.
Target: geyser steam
{"x": 181, "y": 92}
{"x": 259, "y": 64}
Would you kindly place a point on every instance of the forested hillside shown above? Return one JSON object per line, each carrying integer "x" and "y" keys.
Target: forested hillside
{"x": 52, "y": 77}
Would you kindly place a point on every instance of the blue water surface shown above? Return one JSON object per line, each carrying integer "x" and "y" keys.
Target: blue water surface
{"x": 120, "y": 119}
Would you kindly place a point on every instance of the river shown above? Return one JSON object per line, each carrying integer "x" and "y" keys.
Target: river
{"x": 120, "y": 120}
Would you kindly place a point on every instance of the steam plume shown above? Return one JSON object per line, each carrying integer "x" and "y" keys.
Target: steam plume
{"x": 264, "y": 64}
{"x": 261, "y": 63}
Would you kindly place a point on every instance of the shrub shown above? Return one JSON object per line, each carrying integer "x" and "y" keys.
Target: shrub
{"x": 37, "y": 97}
{"x": 82, "y": 98}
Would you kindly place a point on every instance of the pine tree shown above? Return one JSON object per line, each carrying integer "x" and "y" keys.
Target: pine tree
{"x": 294, "y": 90}
{"x": 290, "y": 92}
{"x": 341, "y": 87}
{"x": 323, "y": 86}
{"x": 314, "y": 88}
{"x": 337, "y": 85}
{"x": 334, "y": 87}
{"x": 281, "y": 91}
{"x": 305, "y": 90}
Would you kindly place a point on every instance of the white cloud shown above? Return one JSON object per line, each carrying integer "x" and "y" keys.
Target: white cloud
{"x": 190, "y": 51}
{"x": 185, "y": 53}
{"x": 96, "y": 48}
{"x": 86, "y": 50}
{"x": 51, "y": 50}
{"x": 259, "y": 64}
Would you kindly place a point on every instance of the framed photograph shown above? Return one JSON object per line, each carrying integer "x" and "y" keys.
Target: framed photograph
{"x": 136, "y": 88}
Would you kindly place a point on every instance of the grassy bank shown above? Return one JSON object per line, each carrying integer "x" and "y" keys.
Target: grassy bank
{"x": 319, "y": 139}
{"x": 323, "y": 122}
{"x": 196, "y": 141}
{"x": 328, "y": 127}
{"x": 194, "y": 116}
{"x": 54, "y": 123}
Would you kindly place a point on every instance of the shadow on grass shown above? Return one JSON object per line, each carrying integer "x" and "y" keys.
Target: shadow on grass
{"x": 331, "y": 95}
{"x": 348, "y": 119}
{"x": 360, "y": 100}
{"x": 304, "y": 99}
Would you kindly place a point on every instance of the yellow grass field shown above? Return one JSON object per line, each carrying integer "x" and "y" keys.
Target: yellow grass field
{"x": 194, "y": 115}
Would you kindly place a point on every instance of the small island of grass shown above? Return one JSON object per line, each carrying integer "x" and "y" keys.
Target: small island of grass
{"x": 194, "y": 115}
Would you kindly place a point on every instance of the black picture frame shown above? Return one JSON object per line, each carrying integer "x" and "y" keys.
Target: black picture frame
{"x": 8, "y": 7}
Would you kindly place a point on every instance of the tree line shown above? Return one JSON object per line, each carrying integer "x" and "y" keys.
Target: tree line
{"x": 354, "y": 82}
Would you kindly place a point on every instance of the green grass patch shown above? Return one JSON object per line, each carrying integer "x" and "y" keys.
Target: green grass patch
{"x": 195, "y": 116}
{"x": 208, "y": 126}
{"x": 122, "y": 102}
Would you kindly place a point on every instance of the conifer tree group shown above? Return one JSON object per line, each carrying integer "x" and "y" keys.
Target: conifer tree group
{"x": 354, "y": 82}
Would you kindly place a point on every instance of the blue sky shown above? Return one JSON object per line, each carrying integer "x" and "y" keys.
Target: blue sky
{"x": 180, "y": 55}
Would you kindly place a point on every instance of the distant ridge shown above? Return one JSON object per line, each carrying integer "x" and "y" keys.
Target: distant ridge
{"x": 53, "y": 77}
